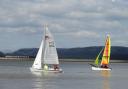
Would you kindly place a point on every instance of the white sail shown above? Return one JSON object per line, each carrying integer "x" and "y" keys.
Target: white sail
{"x": 50, "y": 53}
{"x": 37, "y": 63}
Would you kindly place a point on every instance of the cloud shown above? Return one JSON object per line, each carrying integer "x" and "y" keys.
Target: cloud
{"x": 84, "y": 33}
{"x": 82, "y": 19}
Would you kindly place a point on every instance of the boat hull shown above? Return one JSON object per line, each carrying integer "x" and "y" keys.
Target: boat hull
{"x": 98, "y": 68}
{"x": 49, "y": 70}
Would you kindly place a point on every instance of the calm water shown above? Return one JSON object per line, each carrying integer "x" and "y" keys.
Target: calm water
{"x": 16, "y": 75}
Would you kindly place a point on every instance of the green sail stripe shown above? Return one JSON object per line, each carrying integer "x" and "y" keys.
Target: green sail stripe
{"x": 98, "y": 58}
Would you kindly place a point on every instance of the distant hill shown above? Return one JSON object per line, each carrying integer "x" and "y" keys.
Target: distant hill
{"x": 117, "y": 52}
{"x": 2, "y": 54}
{"x": 24, "y": 52}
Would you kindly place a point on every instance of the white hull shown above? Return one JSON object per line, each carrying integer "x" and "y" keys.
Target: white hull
{"x": 49, "y": 70}
{"x": 98, "y": 68}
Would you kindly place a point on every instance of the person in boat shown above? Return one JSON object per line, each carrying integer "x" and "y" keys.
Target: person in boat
{"x": 56, "y": 67}
{"x": 45, "y": 67}
{"x": 104, "y": 66}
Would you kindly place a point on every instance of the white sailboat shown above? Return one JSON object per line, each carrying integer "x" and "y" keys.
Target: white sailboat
{"x": 47, "y": 57}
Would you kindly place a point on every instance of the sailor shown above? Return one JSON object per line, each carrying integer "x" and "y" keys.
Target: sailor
{"x": 56, "y": 67}
{"x": 104, "y": 66}
{"x": 45, "y": 67}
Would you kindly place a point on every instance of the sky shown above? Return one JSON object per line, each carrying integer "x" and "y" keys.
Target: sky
{"x": 73, "y": 23}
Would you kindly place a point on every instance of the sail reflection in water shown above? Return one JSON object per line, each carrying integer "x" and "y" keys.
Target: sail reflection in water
{"x": 44, "y": 80}
{"x": 106, "y": 75}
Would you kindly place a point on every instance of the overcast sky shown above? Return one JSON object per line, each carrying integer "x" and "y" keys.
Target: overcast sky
{"x": 74, "y": 23}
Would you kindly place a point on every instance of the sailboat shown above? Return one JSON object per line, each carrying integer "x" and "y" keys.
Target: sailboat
{"x": 47, "y": 57}
{"x": 103, "y": 58}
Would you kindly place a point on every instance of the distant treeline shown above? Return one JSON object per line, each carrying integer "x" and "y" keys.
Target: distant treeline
{"x": 117, "y": 52}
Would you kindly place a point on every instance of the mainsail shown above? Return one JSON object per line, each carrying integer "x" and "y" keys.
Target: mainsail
{"x": 50, "y": 53}
{"x": 106, "y": 53}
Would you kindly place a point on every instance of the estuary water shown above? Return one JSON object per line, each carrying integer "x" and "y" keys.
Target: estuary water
{"x": 76, "y": 75}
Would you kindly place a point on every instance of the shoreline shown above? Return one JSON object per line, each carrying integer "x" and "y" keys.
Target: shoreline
{"x": 91, "y": 60}
{"x": 61, "y": 60}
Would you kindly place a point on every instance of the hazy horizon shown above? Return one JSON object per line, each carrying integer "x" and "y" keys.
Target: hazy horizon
{"x": 9, "y": 50}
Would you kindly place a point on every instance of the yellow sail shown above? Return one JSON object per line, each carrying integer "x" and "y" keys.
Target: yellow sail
{"x": 106, "y": 53}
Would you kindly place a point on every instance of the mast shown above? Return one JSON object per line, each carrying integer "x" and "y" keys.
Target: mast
{"x": 44, "y": 46}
